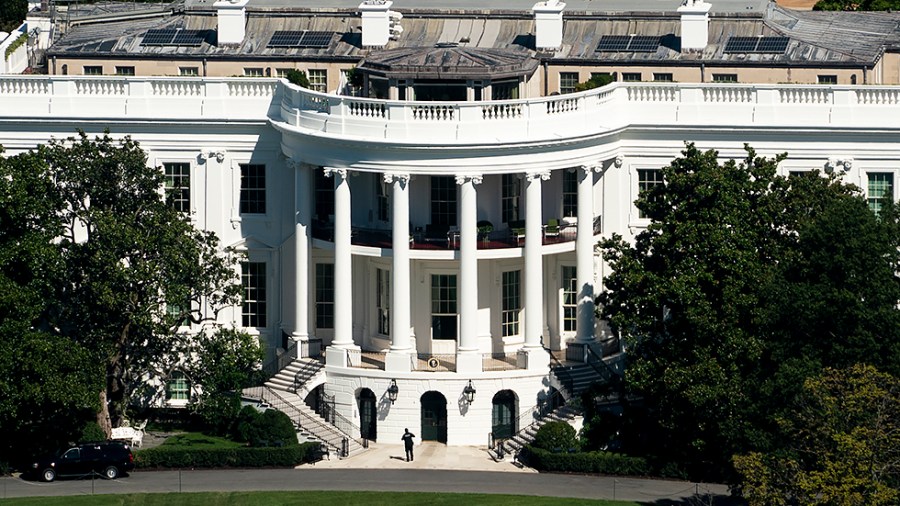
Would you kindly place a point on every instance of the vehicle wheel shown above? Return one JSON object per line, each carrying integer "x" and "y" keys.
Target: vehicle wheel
{"x": 48, "y": 475}
{"x": 111, "y": 473}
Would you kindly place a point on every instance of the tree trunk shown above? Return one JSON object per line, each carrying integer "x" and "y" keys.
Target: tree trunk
{"x": 103, "y": 415}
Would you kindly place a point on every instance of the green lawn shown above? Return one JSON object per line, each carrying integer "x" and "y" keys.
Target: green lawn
{"x": 304, "y": 499}
{"x": 200, "y": 440}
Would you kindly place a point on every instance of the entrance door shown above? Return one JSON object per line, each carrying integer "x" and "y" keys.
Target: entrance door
{"x": 434, "y": 417}
{"x": 503, "y": 421}
{"x": 368, "y": 415}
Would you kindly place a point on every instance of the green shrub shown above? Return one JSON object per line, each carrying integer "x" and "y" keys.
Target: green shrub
{"x": 92, "y": 432}
{"x": 270, "y": 428}
{"x": 162, "y": 457}
{"x": 556, "y": 437}
{"x": 297, "y": 77}
{"x": 586, "y": 462}
{"x": 596, "y": 81}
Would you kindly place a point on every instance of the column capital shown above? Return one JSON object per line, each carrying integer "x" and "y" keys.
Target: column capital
{"x": 218, "y": 154}
{"x": 292, "y": 164}
{"x": 462, "y": 179}
{"x": 836, "y": 163}
{"x": 330, "y": 171}
{"x": 596, "y": 168}
{"x": 544, "y": 175}
{"x": 389, "y": 177}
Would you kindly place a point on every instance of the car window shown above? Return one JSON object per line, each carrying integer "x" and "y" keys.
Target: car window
{"x": 72, "y": 453}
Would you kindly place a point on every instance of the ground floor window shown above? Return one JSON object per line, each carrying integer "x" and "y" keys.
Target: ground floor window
{"x": 443, "y": 306}
{"x": 253, "y": 277}
{"x": 325, "y": 296}
{"x": 178, "y": 388}
{"x": 570, "y": 298}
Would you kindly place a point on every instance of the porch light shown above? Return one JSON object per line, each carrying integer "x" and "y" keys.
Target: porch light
{"x": 392, "y": 391}
{"x": 469, "y": 392}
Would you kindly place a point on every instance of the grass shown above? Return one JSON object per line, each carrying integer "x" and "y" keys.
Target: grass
{"x": 199, "y": 440}
{"x": 305, "y": 499}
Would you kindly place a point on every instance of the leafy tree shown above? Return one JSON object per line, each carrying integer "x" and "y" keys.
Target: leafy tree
{"x": 596, "y": 81}
{"x": 856, "y": 5}
{"x": 297, "y": 77}
{"x": 745, "y": 284}
{"x": 12, "y": 14}
{"x": 845, "y": 433}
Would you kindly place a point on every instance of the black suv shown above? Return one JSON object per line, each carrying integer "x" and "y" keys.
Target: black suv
{"x": 108, "y": 459}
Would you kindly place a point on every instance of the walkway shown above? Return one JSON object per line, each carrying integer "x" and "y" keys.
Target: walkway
{"x": 428, "y": 455}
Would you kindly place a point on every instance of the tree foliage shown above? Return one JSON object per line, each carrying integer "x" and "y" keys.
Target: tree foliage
{"x": 12, "y": 14}
{"x": 856, "y": 5}
{"x": 98, "y": 276}
{"x": 744, "y": 284}
{"x": 845, "y": 432}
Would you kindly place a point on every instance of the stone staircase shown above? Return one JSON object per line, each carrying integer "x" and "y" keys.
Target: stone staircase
{"x": 308, "y": 421}
{"x": 299, "y": 377}
{"x": 509, "y": 448}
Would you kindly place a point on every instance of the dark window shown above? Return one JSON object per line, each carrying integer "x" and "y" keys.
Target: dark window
{"x": 124, "y": 71}
{"x": 570, "y": 193}
{"x": 631, "y": 77}
{"x": 382, "y": 199}
{"x": 93, "y": 70}
{"x": 443, "y": 200}
{"x": 662, "y": 76}
{"x": 725, "y": 78}
{"x": 324, "y": 196}
{"x": 512, "y": 189}
{"x": 178, "y": 185}
{"x": 325, "y": 296}
{"x": 827, "y": 79}
{"x": 647, "y": 179}
{"x": 443, "y": 306}
{"x": 253, "y": 188}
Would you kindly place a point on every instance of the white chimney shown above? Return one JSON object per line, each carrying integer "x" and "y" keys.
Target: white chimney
{"x": 232, "y": 16}
{"x": 376, "y": 22}
{"x": 694, "y": 24}
{"x": 548, "y": 24}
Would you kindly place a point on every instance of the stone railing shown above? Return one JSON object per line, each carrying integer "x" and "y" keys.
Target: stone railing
{"x": 593, "y": 112}
{"x": 133, "y": 98}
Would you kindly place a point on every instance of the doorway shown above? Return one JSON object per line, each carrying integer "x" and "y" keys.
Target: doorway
{"x": 434, "y": 417}
{"x": 368, "y": 415}
{"x": 503, "y": 419}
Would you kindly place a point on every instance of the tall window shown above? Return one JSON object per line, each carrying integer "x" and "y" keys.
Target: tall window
{"x": 570, "y": 298}
{"x": 178, "y": 388}
{"x": 253, "y": 278}
{"x": 443, "y": 200}
{"x": 881, "y": 190}
{"x": 178, "y": 185}
{"x": 570, "y": 193}
{"x": 567, "y": 82}
{"x": 512, "y": 303}
{"x": 253, "y": 188}
{"x": 324, "y": 196}
{"x": 383, "y": 301}
{"x": 443, "y": 306}
{"x": 325, "y": 296}
{"x": 318, "y": 80}
{"x": 382, "y": 199}
{"x": 512, "y": 189}
{"x": 647, "y": 179}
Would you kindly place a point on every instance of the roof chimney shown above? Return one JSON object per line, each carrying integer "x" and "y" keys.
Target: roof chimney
{"x": 376, "y": 22}
{"x": 694, "y": 24}
{"x": 548, "y": 24}
{"x": 232, "y": 20}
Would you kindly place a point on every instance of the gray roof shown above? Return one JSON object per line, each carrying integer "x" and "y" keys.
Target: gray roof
{"x": 450, "y": 63}
{"x": 835, "y": 38}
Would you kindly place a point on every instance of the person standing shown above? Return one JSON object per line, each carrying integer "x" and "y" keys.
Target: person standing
{"x": 408, "y": 443}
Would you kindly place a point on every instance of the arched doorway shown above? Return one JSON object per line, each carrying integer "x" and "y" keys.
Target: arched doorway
{"x": 503, "y": 417}
{"x": 434, "y": 417}
{"x": 368, "y": 415}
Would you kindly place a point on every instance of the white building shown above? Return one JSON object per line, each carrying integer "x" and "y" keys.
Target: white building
{"x": 432, "y": 248}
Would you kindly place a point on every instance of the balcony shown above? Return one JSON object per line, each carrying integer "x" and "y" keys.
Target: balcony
{"x": 434, "y": 362}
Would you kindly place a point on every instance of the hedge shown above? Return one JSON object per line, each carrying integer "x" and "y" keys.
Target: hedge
{"x": 286, "y": 456}
{"x": 586, "y": 462}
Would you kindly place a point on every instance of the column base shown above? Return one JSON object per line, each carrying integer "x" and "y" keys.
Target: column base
{"x": 302, "y": 342}
{"x": 576, "y": 351}
{"x": 532, "y": 359}
{"x": 468, "y": 362}
{"x": 342, "y": 355}
{"x": 397, "y": 361}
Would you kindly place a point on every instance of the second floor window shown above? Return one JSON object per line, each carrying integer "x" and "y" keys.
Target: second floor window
{"x": 124, "y": 71}
{"x": 443, "y": 200}
{"x": 93, "y": 70}
{"x": 631, "y": 77}
{"x": 662, "y": 77}
{"x": 647, "y": 179}
{"x": 570, "y": 194}
{"x": 253, "y": 72}
{"x": 253, "y": 188}
{"x": 324, "y": 296}
{"x": 569, "y": 298}
{"x": 827, "y": 80}
{"x": 512, "y": 188}
{"x": 382, "y": 198}
{"x": 725, "y": 78}
{"x": 188, "y": 71}
{"x": 178, "y": 185}
{"x": 324, "y": 196}
{"x": 880, "y": 190}
{"x": 512, "y": 303}
{"x": 383, "y": 301}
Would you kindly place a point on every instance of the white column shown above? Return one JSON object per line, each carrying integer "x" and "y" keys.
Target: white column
{"x": 397, "y": 358}
{"x": 302, "y": 216}
{"x": 343, "y": 279}
{"x": 534, "y": 265}
{"x": 468, "y": 359}
{"x": 584, "y": 255}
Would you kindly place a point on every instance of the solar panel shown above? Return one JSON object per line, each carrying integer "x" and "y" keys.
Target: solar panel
{"x": 643, "y": 44}
{"x": 315, "y": 39}
{"x": 189, "y": 37}
{"x": 158, "y": 38}
{"x": 772, "y": 44}
{"x": 613, "y": 43}
{"x": 285, "y": 38}
{"x": 741, "y": 44}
